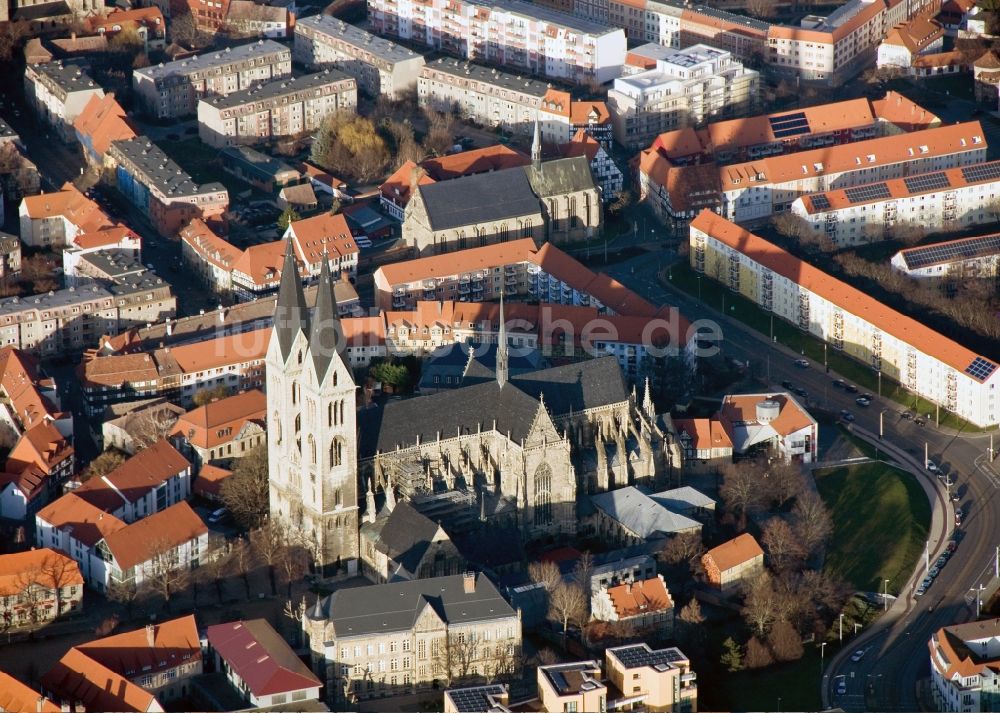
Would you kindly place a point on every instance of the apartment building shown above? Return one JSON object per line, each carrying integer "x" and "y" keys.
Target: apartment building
{"x": 661, "y": 677}
{"x": 733, "y": 563}
{"x": 403, "y": 637}
{"x": 18, "y": 696}
{"x": 964, "y": 660}
{"x": 920, "y": 359}
{"x": 609, "y": 178}
{"x": 154, "y": 183}
{"x": 977, "y": 257}
{"x": 57, "y": 93}
{"x": 380, "y": 67}
{"x": 57, "y": 219}
{"x": 512, "y": 102}
{"x": 644, "y": 605}
{"x": 953, "y": 199}
{"x": 509, "y": 33}
{"x": 649, "y": 21}
{"x": 276, "y": 110}
{"x": 38, "y": 586}
{"x": 172, "y": 90}
{"x": 745, "y": 37}
{"x": 572, "y": 686}
{"x": 118, "y": 240}
{"x": 222, "y": 430}
{"x": 133, "y": 670}
{"x": 324, "y": 237}
{"x": 904, "y": 43}
{"x": 102, "y": 121}
{"x": 683, "y": 88}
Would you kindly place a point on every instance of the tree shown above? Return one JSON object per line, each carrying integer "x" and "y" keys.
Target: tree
{"x": 294, "y": 558}
{"x": 622, "y": 201}
{"x": 763, "y": 9}
{"x": 440, "y": 132}
{"x": 784, "y": 481}
{"x": 287, "y": 217}
{"x": 782, "y": 545}
{"x": 583, "y": 573}
{"x": 55, "y": 573}
{"x": 126, "y": 41}
{"x": 242, "y": 561}
{"x": 348, "y": 144}
{"x": 568, "y": 604}
{"x": 909, "y": 233}
{"x": 545, "y": 573}
{"x": 12, "y": 37}
{"x": 732, "y": 656}
{"x": 786, "y": 642}
{"x": 150, "y": 426}
{"x": 395, "y": 375}
{"x": 269, "y": 541}
{"x": 184, "y": 30}
{"x": 813, "y": 524}
{"x": 740, "y": 489}
{"x": 245, "y": 492}
{"x": 759, "y": 604}
{"x": 212, "y": 571}
{"x": 758, "y": 655}
{"x": 124, "y": 593}
{"x": 102, "y": 464}
{"x": 792, "y": 226}
{"x": 207, "y": 396}
{"x": 166, "y": 573}
{"x": 684, "y": 548}
{"x": 690, "y": 629}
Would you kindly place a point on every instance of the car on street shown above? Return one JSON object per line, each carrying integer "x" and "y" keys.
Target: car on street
{"x": 941, "y": 561}
{"x": 846, "y": 415}
{"x": 841, "y": 686}
{"x": 920, "y": 591}
{"x": 867, "y": 396}
{"x": 905, "y": 415}
{"x": 851, "y": 389}
{"x": 928, "y": 581}
{"x": 799, "y": 391}
{"x": 958, "y": 518}
{"x": 802, "y": 363}
{"x": 839, "y": 383}
{"x": 862, "y": 401}
{"x": 786, "y": 384}
{"x": 933, "y": 467}
{"x": 934, "y": 571}
{"x": 956, "y": 498}
{"x": 918, "y": 421}
{"x": 858, "y": 655}
{"x": 951, "y": 547}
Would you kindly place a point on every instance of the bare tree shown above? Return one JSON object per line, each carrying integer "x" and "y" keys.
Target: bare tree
{"x": 242, "y": 560}
{"x": 124, "y": 593}
{"x": 685, "y": 547}
{"x": 690, "y": 629}
{"x": 102, "y": 464}
{"x": 784, "y": 481}
{"x": 759, "y": 604}
{"x": 212, "y": 571}
{"x": 582, "y": 575}
{"x": 268, "y": 542}
{"x": 12, "y": 37}
{"x": 782, "y": 545}
{"x": 545, "y": 573}
{"x": 462, "y": 653}
{"x": 813, "y": 524}
{"x": 151, "y": 425}
{"x": 740, "y": 488}
{"x": 786, "y": 642}
{"x": 208, "y": 395}
{"x": 758, "y": 655}
{"x": 57, "y": 572}
{"x": 165, "y": 572}
{"x": 245, "y": 492}
{"x": 909, "y": 233}
{"x": 568, "y": 604}
{"x": 763, "y": 9}
{"x": 503, "y": 663}
{"x": 294, "y": 557}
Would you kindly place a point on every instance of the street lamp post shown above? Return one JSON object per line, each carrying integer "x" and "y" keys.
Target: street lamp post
{"x": 841, "y": 626}
{"x": 880, "y": 383}
{"x": 699, "y": 287}
{"x": 856, "y": 626}
{"x": 822, "y": 655}
{"x": 885, "y": 595}
{"x": 881, "y": 424}
{"x": 979, "y": 599}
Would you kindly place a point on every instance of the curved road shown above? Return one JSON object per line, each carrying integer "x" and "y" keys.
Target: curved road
{"x": 896, "y": 645}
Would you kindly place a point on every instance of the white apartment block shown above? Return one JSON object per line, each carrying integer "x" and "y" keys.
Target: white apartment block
{"x": 953, "y": 199}
{"x": 380, "y": 67}
{"x": 685, "y": 88}
{"x": 491, "y": 97}
{"x": 904, "y": 43}
{"x": 650, "y": 21}
{"x": 977, "y": 257}
{"x": 755, "y": 190}
{"x": 57, "y": 93}
{"x": 920, "y": 359}
{"x": 172, "y": 90}
{"x": 119, "y": 239}
{"x": 275, "y": 110}
{"x": 964, "y": 666}
{"x": 509, "y": 33}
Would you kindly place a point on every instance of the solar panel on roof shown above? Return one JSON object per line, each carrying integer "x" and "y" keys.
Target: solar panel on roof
{"x": 927, "y": 182}
{"x": 635, "y": 656}
{"x": 948, "y": 252}
{"x": 473, "y": 700}
{"x": 789, "y": 125}
{"x": 980, "y": 369}
{"x": 981, "y": 172}
{"x": 820, "y": 202}
{"x": 871, "y": 192}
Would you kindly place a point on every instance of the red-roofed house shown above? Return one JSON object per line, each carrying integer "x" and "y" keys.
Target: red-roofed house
{"x": 75, "y": 526}
{"x": 54, "y": 219}
{"x": 703, "y": 441}
{"x": 644, "y": 605}
{"x": 209, "y": 482}
{"x": 607, "y": 175}
{"x": 260, "y": 665}
{"x": 212, "y": 257}
{"x": 222, "y": 430}
{"x": 102, "y": 121}
{"x": 120, "y": 239}
{"x": 16, "y": 697}
{"x": 147, "y": 22}
{"x": 321, "y": 235}
{"x": 772, "y": 421}
{"x": 79, "y": 680}
{"x": 36, "y": 586}
{"x": 734, "y": 562}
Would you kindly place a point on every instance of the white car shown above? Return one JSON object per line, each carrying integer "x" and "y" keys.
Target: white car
{"x": 858, "y": 655}
{"x": 932, "y": 466}
{"x": 841, "y": 686}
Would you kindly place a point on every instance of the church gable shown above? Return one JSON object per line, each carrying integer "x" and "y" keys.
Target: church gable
{"x": 542, "y": 429}
{"x": 427, "y": 618}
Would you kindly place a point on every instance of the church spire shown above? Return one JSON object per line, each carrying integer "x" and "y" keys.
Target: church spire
{"x": 390, "y": 496}
{"x": 502, "y": 366}
{"x": 290, "y": 314}
{"x": 647, "y": 401}
{"x": 536, "y": 147}
{"x": 327, "y": 334}
{"x": 370, "y": 503}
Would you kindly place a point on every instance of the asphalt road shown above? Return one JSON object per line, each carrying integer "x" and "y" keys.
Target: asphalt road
{"x": 896, "y": 645}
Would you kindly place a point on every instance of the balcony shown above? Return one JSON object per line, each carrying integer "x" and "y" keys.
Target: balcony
{"x": 463, "y": 289}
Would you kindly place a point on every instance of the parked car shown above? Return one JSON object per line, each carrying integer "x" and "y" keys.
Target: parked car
{"x": 941, "y": 561}
{"x": 862, "y": 401}
{"x": 217, "y": 516}
{"x": 951, "y": 547}
{"x": 841, "y": 686}
{"x": 918, "y": 421}
{"x": 839, "y": 383}
{"x": 934, "y": 571}
{"x": 955, "y": 497}
{"x": 799, "y": 391}
{"x": 851, "y": 389}
{"x": 932, "y": 467}
{"x": 847, "y": 416}
{"x": 787, "y": 384}
{"x": 921, "y": 590}
{"x": 928, "y": 581}
{"x": 802, "y": 363}
{"x": 906, "y": 415}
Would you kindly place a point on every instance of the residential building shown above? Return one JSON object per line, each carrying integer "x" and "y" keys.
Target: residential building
{"x": 963, "y": 665}
{"x": 644, "y": 605}
{"x": 324, "y": 182}
{"x": 380, "y": 67}
{"x": 400, "y": 543}
{"x": 775, "y": 423}
{"x": 118, "y": 240}
{"x": 952, "y": 199}
{"x": 662, "y": 677}
{"x": 492, "y": 698}
{"x": 57, "y": 93}
{"x": 684, "y": 88}
{"x": 172, "y": 90}
{"x": 38, "y": 586}
{"x": 111, "y": 552}
{"x": 704, "y": 441}
{"x": 211, "y": 256}
{"x": 546, "y": 274}
{"x": 208, "y": 484}
{"x": 256, "y": 272}
{"x": 142, "y": 425}
{"x": 899, "y": 347}
{"x": 573, "y": 686}
{"x": 903, "y": 43}
{"x": 259, "y": 664}
{"x": 160, "y": 189}
{"x": 745, "y": 37}
{"x": 986, "y": 77}
{"x": 148, "y": 24}
{"x": 977, "y": 257}
{"x": 258, "y": 169}
{"x": 512, "y": 102}
{"x": 511, "y": 33}
{"x": 10, "y": 256}
{"x": 324, "y": 238}
{"x": 733, "y": 563}
{"x": 56, "y": 219}
{"x": 102, "y": 121}
{"x": 301, "y": 198}
{"x": 222, "y": 430}
{"x": 246, "y": 18}
{"x": 607, "y": 175}
{"x": 395, "y": 192}
{"x": 627, "y": 516}
{"x": 392, "y": 639}
{"x": 276, "y": 110}
{"x": 17, "y": 697}
{"x": 154, "y": 662}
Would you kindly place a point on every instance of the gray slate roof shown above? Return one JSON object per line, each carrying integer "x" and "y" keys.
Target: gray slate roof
{"x": 482, "y": 198}
{"x": 640, "y": 514}
{"x": 683, "y": 499}
{"x": 395, "y": 606}
{"x": 405, "y": 535}
{"x": 563, "y": 175}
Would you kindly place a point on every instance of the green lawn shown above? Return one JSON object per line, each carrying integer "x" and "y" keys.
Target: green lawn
{"x": 881, "y": 517}
{"x": 797, "y": 683}
{"x": 750, "y": 314}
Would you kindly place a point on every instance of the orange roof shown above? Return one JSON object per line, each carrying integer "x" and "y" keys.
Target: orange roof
{"x": 616, "y": 296}
{"x": 851, "y": 300}
{"x": 679, "y": 143}
{"x": 940, "y": 59}
{"x": 29, "y": 480}
{"x": 640, "y": 61}
{"x": 146, "y": 470}
{"x": 41, "y": 445}
{"x": 78, "y": 677}
{"x": 19, "y": 383}
{"x": 689, "y": 188}
{"x": 589, "y": 112}
{"x": 16, "y": 697}
{"x": 45, "y": 567}
{"x": 903, "y": 112}
{"x": 103, "y": 120}
{"x": 120, "y": 369}
{"x": 150, "y": 17}
{"x": 322, "y": 234}
{"x": 209, "y": 480}
{"x": 262, "y": 263}
{"x": 221, "y": 421}
{"x": 736, "y": 551}
{"x": 557, "y": 101}
{"x": 363, "y": 331}
{"x": 468, "y": 163}
{"x": 204, "y": 242}
{"x": 232, "y": 348}
{"x": 471, "y": 259}
{"x": 915, "y": 35}
{"x": 397, "y": 187}
{"x": 105, "y": 237}
{"x": 742, "y": 408}
{"x": 69, "y": 203}
{"x": 88, "y": 524}
{"x": 160, "y": 532}
{"x": 897, "y": 148}
{"x": 322, "y": 175}
{"x": 563, "y": 266}
{"x": 582, "y": 144}
{"x": 158, "y": 647}
{"x": 642, "y": 597}
{"x": 705, "y": 433}
{"x": 963, "y": 660}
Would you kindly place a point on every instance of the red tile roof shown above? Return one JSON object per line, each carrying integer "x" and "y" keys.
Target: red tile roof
{"x": 735, "y": 552}
{"x": 103, "y": 120}
{"x": 133, "y": 479}
{"x": 78, "y": 677}
{"x": 903, "y": 112}
{"x": 467, "y": 163}
{"x": 45, "y": 567}
{"x": 742, "y": 408}
{"x": 209, "y": 481}
{"x": 153, "y": 535}
{"x": 88, "y": 524}
{"x": 258, "y": 655}
{"x": 323, "y": 233}
{"x": 69, "y": 203}
{"x": 705, "y": 433}
{"x": 643, "y": 597}
{"x": 205, "y": 243}
{"x": 582, "y": 144}
{"x": 398, "y": 186}
{"x": 16, "y": 697}
{"x": 40, "y": 445}
{"x": 221, "y": 421}
{"x": 151, "y": 649}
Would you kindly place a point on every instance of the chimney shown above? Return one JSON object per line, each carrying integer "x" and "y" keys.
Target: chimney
{"x": 222, "y": 314}
{"x": 469, "y": 582}
{"x": 150, "y": 635}
{"x": 39, "y": 704}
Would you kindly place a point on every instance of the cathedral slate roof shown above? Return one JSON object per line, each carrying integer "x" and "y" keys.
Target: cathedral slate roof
{"x": 405, "y": 535}
{"x": 481, "y": 198}
{"x": 290, "y": 314}
{"x": 396, "y": 606}
{"x": 561, "y": 176}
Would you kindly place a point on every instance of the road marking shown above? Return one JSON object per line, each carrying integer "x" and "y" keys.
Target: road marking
{"x": 988, "y": 470}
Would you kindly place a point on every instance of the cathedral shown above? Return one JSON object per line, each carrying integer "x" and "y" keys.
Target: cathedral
{"x": 514, "y": 450}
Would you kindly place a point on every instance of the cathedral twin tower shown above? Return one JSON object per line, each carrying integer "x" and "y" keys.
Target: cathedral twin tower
{"x": 311, "y": 433}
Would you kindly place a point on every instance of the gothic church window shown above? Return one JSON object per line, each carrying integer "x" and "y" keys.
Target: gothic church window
{"x": 336, "y": 451}
{"x": 312, "y": 449}
{"x": 543, "y": 494}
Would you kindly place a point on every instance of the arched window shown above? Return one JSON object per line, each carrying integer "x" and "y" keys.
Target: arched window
{"x": 543, "y": 494}
{"x": 335, "y": 377}
{"x": 298, "y": 423}
{"x": 277, "y": 427}
{"x": 336, "y": 497}
{"x": 300, "y": 356}
{"x": 295, "y": 393}
{"x": 312, "y": 449}
{"x": 341, "y": 412}
{"x": 329, "y": 413}
{"x": 336, "y": 452}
